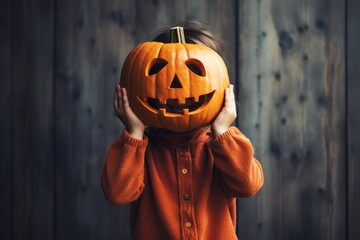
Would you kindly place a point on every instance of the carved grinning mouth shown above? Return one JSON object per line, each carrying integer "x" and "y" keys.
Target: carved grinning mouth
{"x": 172, "y": 105}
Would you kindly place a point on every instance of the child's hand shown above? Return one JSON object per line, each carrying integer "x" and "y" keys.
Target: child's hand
{"x": 133, "y": 124}
{"x": 227, "y": 115}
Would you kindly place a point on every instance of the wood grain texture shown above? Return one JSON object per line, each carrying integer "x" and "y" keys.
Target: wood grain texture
{"x": 6, "y": 125}
{"x": 33, "y": 203}
{"x": 219, "y": 17}
{"x": 353, "y": 128}
{"x": 293, "y": 100}
{"x": 298, "y": 104}
{"x": 89, "y": 42}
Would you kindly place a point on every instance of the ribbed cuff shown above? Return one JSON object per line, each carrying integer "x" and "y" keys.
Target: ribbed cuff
{"x": 218, "y": 140}
{"x": 127, "y": 138}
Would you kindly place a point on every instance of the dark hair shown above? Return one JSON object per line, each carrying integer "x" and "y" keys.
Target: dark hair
{"x": 195, "y": 32}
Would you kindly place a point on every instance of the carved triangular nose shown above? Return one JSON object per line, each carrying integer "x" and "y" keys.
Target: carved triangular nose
{"x": 176, "y": 83}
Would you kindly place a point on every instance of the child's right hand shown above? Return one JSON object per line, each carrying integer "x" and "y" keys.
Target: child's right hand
{"x": 133, "y": 124}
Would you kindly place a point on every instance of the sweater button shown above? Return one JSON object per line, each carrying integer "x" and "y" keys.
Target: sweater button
{"x": 184, "y": 171}
{"x": 186, "y": 197}
{"x": 188, "y": 224}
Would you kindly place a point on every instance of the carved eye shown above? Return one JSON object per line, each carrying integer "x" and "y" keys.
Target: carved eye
{"x": 156, "y": 65}
{"x": 196, "y": 67}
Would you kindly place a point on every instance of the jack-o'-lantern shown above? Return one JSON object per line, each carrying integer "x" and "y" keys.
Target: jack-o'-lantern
{"x": 176, "y": 86}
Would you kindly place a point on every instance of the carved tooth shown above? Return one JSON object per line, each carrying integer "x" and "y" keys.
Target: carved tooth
{"x": 186, "y": 112}
{"x": 196, "y": 98}
{"x": 162, "y": 100}
{"x": 162, "y": 111}
{"x": 181, "y": 100}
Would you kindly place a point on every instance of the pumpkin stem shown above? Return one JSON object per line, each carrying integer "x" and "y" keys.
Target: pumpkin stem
{"x": 177, "y": 35}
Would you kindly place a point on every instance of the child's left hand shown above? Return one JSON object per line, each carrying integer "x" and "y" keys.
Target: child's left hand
{"x": 227, "y": 115}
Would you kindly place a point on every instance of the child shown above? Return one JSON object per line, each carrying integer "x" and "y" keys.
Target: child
{"x": 181, "y": 185}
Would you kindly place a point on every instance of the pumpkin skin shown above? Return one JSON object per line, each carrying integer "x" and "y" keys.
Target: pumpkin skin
{"x": 175, "y": 86}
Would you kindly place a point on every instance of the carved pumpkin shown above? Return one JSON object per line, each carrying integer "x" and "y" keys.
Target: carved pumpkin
{"x": 176, "y": 86}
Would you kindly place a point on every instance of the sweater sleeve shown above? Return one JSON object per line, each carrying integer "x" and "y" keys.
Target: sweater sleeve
{"x": 122, "y": 176}
{"x": 233, "y": 155}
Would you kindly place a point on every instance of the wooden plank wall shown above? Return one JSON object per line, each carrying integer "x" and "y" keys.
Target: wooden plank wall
{"x": 295, "y": 67}
{"x": 353, "y": 103}
{"x": 293, "y": 102}
{"x": 6, "y": 119}
{"x": 27, "y": 120}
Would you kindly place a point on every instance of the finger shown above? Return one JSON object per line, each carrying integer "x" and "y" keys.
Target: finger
{"x": 120, "y": 98}
{"x": 125, "y": 100}
{"x": 115, "y": 101}
{"x": 230, "y": 98}
{"x": 231, "y": 91}
{"x": 227, "y": 95}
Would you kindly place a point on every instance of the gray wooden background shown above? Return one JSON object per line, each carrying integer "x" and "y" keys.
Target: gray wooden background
{"x": 295, "y": 64}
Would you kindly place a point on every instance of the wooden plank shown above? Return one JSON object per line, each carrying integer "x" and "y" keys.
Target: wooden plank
{"x": 219, "y": 17}
{"x": 292, "y": 101}
{"x": 92, "y": 39}
{"x": 353, "y": 115}
{"x": 33, "y": 204}
{"x": 6, "y": 124}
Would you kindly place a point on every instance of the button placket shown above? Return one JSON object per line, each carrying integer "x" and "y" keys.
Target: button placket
{"x": 185, "y": 190}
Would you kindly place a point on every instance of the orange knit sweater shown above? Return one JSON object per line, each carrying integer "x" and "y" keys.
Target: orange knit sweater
{"x": 181, "y": 186}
